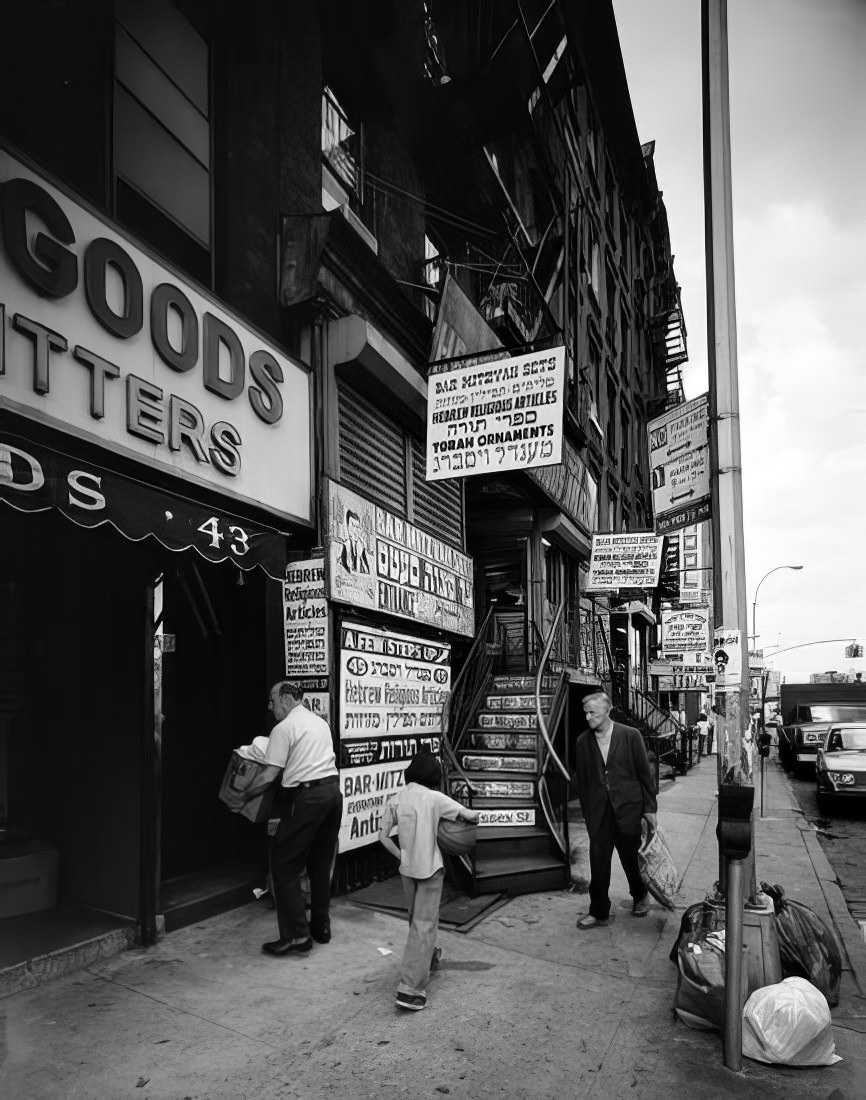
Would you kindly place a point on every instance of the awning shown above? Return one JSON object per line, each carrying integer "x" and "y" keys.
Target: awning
{"x": 35, "y": 478}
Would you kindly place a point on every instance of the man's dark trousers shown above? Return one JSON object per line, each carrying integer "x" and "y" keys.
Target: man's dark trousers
{"x": 602, "y": 844}
{"x": 306, "y": 837}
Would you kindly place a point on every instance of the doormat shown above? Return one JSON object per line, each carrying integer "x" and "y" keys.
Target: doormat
{"x": 457, "y": 912}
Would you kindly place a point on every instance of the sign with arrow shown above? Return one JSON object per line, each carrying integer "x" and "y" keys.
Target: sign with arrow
{"x": 679, "y": 452}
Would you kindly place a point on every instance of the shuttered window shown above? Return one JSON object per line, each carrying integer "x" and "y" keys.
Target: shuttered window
{"x": 373, "y": 453}
{"x": 438, "y": 504}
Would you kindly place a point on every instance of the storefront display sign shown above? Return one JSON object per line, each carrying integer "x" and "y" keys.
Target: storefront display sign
{"x": 686, "y": 635}
{"x": 628, "y": 560}
{"x": 378, "y": 561}
{"x": 497, "y": 416}
{"x": 103, "y": 341}
{"x": 305, "y": 613}
{"x": 393, "y": 689}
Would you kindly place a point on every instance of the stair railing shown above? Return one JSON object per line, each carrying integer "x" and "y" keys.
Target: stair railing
{"x": 467, "y": 693}
{"x": 548, "y": 726}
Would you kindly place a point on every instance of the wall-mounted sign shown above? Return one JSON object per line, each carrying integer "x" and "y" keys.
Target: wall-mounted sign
{"x": 305, "y": 613}
{"x": 686, "y": 635}
{"x": 628, "y": 560}
{"x": 392, "y": 692}
{"x": 378, "y": 561}
{"x": 683, "y": 681}
{"x": 101, "y": 340}
{"x": 679, "y": 453}
{"x": 493, "y": 417}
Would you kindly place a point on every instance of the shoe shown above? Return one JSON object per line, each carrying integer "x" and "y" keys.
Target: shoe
{"x": 410, "y": 1001}
{"x": 434, "y": 961}
{"x": 641, "y": 906}
{"x": 322, "y": 934}
{"x": 286, "y": 947}
{"x": 589, "y": 921}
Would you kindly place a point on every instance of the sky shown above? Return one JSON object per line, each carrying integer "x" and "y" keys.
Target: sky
{"x": 798, "y": 166}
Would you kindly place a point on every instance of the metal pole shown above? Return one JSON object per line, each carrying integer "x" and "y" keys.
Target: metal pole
{"x": 733, "y": 1034}
{"x": 729, "y": 591}
{"x": 762, "y": 786}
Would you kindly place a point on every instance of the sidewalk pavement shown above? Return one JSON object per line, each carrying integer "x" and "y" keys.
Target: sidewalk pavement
{"x": 524, "y": 1005}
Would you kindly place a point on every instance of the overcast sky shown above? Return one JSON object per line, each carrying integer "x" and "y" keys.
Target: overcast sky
{"x": 798, "y": 103}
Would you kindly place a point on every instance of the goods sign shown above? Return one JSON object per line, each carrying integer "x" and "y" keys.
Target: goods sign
{"x": 493, "y": 417}
{"x": 629, "y": 560}
{"x": 379, "y": 561}
{"x": 392, "y": 692}
{"x": 679, "y": 454}
{"x": 305, "y": 614}
{"x": 101, "y": 340}
{"x": 686, "y": 635}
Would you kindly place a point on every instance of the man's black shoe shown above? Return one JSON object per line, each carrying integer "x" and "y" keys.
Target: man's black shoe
{"x": 286, "y": 947}
{"x": 321, "y": 935}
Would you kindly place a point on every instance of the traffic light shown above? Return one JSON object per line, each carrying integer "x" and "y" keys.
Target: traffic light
{"x": 854, "y": 650}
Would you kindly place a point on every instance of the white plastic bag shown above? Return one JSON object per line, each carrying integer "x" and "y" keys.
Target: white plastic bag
{"x": 789, "y": 1024}
{"x": 657, "y": 868}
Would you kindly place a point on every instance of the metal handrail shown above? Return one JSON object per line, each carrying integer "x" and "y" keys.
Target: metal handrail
{"x": 539, "y": 680}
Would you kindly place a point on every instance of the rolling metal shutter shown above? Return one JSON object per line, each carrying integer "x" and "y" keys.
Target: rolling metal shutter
{"x": 372, "y": 452}
{"x": 438, "y": 504}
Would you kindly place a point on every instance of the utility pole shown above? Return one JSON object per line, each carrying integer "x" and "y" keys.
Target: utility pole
{"x": 730, "y": 650}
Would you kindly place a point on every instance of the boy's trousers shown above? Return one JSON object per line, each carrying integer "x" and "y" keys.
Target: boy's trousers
{"x": 422, "y": 900}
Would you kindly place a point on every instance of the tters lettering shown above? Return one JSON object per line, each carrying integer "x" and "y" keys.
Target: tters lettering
{"x": 39, "y": 241}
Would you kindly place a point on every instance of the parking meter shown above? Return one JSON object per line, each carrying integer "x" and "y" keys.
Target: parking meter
{"x": 764, "y": 743}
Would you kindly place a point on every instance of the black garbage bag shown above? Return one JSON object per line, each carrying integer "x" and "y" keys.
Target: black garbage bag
{"x": 807, "y": 947}
{"x": 693, "y": 923}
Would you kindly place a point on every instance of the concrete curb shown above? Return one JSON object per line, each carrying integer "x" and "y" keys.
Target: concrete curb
{"x": 846, "y": 927}
{"x": 66, "y": 960}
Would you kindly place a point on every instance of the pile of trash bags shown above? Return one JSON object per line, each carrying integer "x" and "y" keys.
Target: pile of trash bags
{"x": 789, "y": 1024}
{"x": 807, "y": 947}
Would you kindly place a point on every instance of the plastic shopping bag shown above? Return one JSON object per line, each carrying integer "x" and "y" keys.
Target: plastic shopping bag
{"x": 658, "y": 870}
{"x": 807, "y": 947}
{"x": 789, "y": 1024}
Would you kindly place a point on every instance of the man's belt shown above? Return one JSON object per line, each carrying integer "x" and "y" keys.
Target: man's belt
{"x": 313, "y": 783}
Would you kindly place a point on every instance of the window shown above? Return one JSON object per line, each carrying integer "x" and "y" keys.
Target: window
{"x": 162, "y": 131}
{"x": 611, "y": 512}
{"x": 594, "y": 266}
{"x": 611, "y": 417}
{"x": 342, "y": 145}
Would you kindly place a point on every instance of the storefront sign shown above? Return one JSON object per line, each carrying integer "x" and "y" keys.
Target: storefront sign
{"x": 686, "y": 635}
{"x": 493, "y": 417}
{"x": 629, "y": 560}
{"x": 380, "y": 562}
{"x": 392, "y": 692}
{"x": 683, "y": 681}
{"x": 365, "y": 792}
{"x": 34, "y": 478}
{"x": 679, "y": 451}
{"x": 305, "y": 613}
{"x": 103, "y": 341}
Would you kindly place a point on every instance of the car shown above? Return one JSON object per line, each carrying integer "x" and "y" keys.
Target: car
{"x": 840, "y": 766}
{"x": 799, "y": 745}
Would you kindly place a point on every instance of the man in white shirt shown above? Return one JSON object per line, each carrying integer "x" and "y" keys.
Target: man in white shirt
{"x": 309, "y": 805}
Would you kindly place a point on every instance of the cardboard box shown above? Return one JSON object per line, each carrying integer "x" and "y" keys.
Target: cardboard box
{"x": 240, "y": 775}
{"x": 28, "y": 878}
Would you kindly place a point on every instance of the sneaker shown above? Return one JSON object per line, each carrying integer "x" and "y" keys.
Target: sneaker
{"x": 589, "y": 921}
{"x": 434, "y": 961}
{"x": 641, "y": 906}
{"x": 414, "y": 1002}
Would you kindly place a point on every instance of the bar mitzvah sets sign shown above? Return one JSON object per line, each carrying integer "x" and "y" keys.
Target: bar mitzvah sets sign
{"x": 392, "y": 691}
{"x": 493, "y": 417}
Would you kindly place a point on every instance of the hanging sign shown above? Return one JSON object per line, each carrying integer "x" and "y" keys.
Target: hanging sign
{"x": 679, "y": 453}
{"x": 686, "y": 635}
{"x": 628, "y": 560}
{"x": 305, "y": 614}
{"x": 493, "y": 417}
{"x": 377, "y": 560}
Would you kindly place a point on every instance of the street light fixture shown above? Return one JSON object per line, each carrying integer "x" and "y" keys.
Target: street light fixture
{"x": 755, "y": 601}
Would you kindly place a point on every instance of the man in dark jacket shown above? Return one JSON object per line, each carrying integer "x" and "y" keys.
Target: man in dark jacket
{"x": 616, "y": 786}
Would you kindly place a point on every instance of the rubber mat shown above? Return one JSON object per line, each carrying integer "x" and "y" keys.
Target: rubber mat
{"x": 457, "y": 911}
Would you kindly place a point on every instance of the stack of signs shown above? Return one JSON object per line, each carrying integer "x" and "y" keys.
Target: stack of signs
{"x": 679, "y": 452}
{"x": 686, "y": 646}
{"x": 393, "y": 691}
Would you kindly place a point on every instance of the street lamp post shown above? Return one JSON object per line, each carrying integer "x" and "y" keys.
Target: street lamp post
{"x": 755, "y": 600}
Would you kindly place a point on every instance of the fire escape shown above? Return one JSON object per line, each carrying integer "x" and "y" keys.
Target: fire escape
{"x": 669, "y": 344}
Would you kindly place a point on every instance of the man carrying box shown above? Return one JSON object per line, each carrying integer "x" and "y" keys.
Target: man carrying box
{"x": 309, "y": 806}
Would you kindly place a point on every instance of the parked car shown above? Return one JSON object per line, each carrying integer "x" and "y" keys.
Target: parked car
{"x": 799, "y": 745}
{"x": 840, "y": 767}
